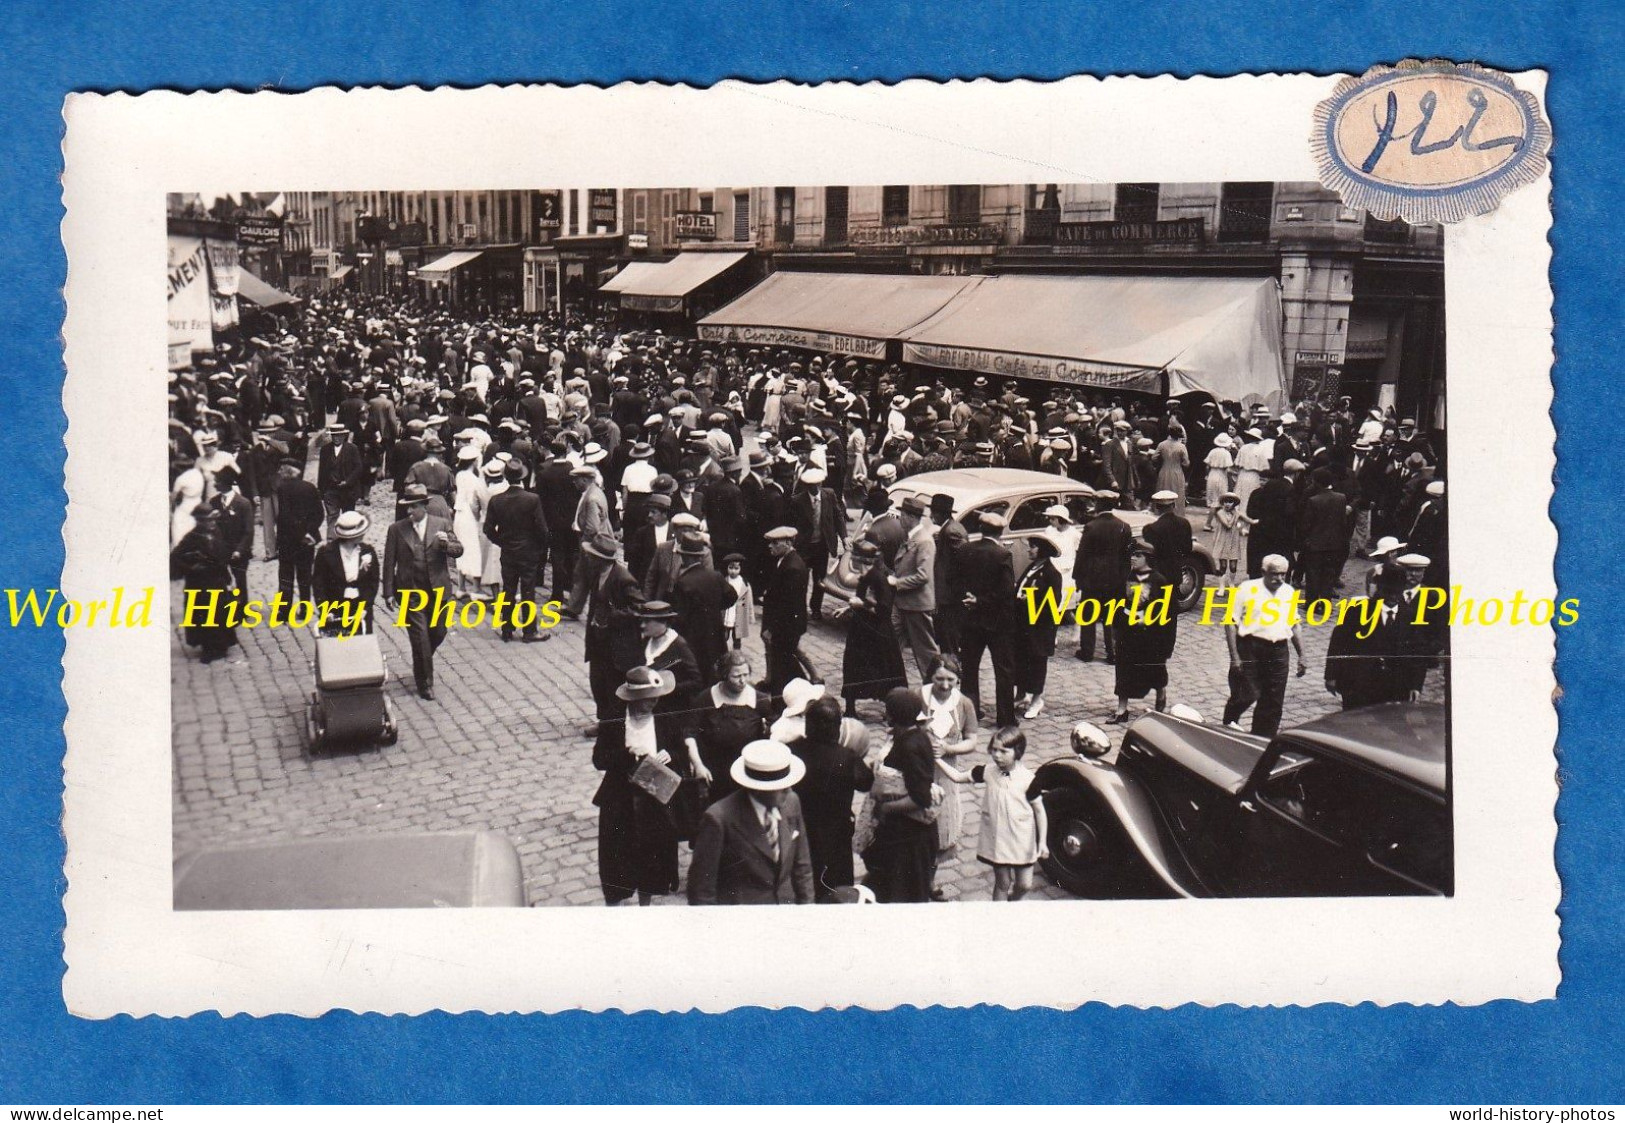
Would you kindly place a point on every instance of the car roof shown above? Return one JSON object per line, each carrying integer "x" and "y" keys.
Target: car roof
{"x": 433, "y": 869}
{"x": 1406, "y": 739}
{"x": 978, "y": 485}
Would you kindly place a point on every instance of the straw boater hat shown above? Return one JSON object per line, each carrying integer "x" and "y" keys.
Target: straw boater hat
{"x": 351, "y": 524}
{"x": 493, "y": 470}
{"x": 655, "y": 610}
{"x": 767, "y": 766}
{"x": 644, "y": 683}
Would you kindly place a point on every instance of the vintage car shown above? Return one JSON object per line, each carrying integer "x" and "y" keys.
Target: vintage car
{"x": 1021, "y": 497}
{"x": 447, "y": 869}
{"x": 1352, "y": 804}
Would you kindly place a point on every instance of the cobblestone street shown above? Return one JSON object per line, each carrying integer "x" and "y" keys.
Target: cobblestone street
{"x": 501, "y": 747}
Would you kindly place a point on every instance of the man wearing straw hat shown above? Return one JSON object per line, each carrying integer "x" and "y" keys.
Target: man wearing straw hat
{"x": 751, "y": 847}
{"x": 346, "y": 573}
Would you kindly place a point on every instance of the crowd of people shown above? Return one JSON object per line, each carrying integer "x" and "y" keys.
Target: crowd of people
{"x": 675, "y": 499}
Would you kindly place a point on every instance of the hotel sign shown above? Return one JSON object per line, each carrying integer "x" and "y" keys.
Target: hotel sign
{"x": 696, "y": 226}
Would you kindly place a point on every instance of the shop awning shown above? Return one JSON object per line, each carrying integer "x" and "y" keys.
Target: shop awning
{"x": 845, "y": 313}
{"x": 1217, "y": 335}
{"x": 662, "y": 288}
{"x": 253, "y": 289}
{"x": 441, "y": 268}
{"x": 629, "y": 276}
{"x": 340, "y": 273}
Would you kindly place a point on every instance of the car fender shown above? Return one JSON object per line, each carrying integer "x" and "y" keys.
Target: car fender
{"x": 1127, "y": 802}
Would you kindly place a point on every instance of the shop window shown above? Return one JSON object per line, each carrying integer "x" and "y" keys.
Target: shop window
{"x": 784, "y": 215}
{"x": 1136, "y": 202}
{"x": 964, "y": 204}
{"x": 894, "y": 206}
{"x": 640, "y": 213}
{"x": 1244, "y": 211}
{"x": 706, "y": 202}
{"x": 741, "y": 216}
{"x": 835, "y": 212}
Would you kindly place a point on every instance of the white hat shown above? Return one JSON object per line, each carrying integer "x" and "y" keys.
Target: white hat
{"x": 1057, "y": 512}
{"x": 1289, "y": 418}
{"x": 886, "y": 471}
{"x": 813, "y": 476}
{"x": 1255, "y": 433}
{"x": 1436, "y": 487}
{"x": 767, "y": 766}
{"x": 799, "y": 694}
{"x": 1415, "y": 561}
{"x": 1386, "y": 544}
{"x": 468, "y": 452}
{"x": 1164, "y": 497}
{"x": 683, "y": 519}
{"x": 594, "y": 453}
{"x": 1222, "y": 441}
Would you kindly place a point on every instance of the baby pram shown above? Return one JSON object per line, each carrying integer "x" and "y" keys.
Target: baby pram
{"x": 348, "y": 707}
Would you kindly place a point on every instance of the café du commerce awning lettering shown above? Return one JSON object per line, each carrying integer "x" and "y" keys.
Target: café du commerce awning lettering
{"x": 1174, "y": 335}
{"x": 664, "y": 287}
{"x": 842, "y": 313}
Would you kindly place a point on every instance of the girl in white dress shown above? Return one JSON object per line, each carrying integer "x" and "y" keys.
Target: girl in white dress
{"x": 1014, "y": 825}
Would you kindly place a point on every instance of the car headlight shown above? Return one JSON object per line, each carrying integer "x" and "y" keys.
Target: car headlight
{"x": 1089, "y": 740}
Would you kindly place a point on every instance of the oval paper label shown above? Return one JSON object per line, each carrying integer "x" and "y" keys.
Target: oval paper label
{"x": 1429, "y": 142}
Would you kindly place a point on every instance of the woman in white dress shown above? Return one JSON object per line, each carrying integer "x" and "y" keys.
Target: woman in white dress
{"x": 774, "y": 405}
{"x": 496, "y": 482}
{"x": 950, "y": 722}
{"x": 184, "y": 498}
{"x": 465, "y": 518}
{"x": 1251, "y": 460}
{"x": 1219, "y": 464}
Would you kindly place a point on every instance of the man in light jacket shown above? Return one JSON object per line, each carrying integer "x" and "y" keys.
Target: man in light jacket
{"x": 913, "y": 579}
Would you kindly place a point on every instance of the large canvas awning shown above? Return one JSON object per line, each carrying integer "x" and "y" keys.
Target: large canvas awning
{"x": 663, "y": 288}
{"x": 442, "y": 267}
{"x": 844, "y": 313}
{"x": 1216, "y": 335}
{"x": 253, "y": 289}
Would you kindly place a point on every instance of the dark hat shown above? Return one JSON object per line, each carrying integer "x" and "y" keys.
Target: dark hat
{"x": 865, "y": 549}
{"x": 602, "y": 546}
{"x": 942, "y": 501}
{"x": 291, "y": 462}
{"x": 644, "y": 683}
{"x": 414, "y": 494}
{"x": 734, "y": 557}
{"x": 658, "y": 502}
{"x": 914, "y": 505}
{"x": 692, "y": 547}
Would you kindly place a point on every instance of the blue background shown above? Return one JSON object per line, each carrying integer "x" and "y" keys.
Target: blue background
{"x": 1549, "y": 1052}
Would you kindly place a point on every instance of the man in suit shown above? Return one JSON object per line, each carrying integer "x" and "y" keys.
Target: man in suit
{"x": 590, "y": 520}
{"x": 515, "y": 521}
{"x": 346, "y": 572}
{"x": 988, "y": 583}
{"x": 298, "y": 526}
{"x": 559, "y": 501}
{"x": 1323, "y": 536}
{"x": 701, "y": 595}
{"x": 1273, "y": 509}
{"x": 784, "y": 606}
{"x": 1101, "y": 570}
{"x": 887, "y": 530}
{"x": 950, "y": 536}
{"x": 820, "y": 521}
{"x": 725, "y": 512}
{"x": 271, "y": 443}
{"x": 914, "y": 579}
{"x": 403, "y": 455}
{"x": 235, "y": 525}
{"x": 417, "y": 559}
{"x": 338, "y": 474}
{"x": 612, "y": 646}
{"x": 1170, "y": 535}
{"x": 1117, "y": 464}
{"x": 751, "y": 847}
{"x": 433, "y": 473}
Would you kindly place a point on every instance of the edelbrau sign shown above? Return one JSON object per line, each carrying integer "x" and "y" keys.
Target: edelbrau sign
{"x": 833, "y": 342}
{"x": 1079, "y": 372}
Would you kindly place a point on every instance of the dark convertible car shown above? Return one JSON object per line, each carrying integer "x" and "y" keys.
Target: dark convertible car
{"x": 1352, "y": 804}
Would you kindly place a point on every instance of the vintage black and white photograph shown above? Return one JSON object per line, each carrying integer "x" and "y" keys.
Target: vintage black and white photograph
{"x": 814, "y": 544}
{"x": 943, "y": 511}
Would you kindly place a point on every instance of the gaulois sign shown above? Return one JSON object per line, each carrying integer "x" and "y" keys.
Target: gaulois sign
{"x": 972, "y": 234}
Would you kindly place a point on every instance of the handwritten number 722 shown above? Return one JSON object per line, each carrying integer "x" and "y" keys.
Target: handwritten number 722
{"x": 1420, "y": 146}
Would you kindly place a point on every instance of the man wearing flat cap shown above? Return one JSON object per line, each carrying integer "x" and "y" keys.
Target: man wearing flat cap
{"x": 820, "y": 522}
{"x": 784, "y": 606}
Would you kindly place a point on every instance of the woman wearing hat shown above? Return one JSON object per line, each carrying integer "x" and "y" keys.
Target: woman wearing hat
{"x": 665, "y": 650}
{"x": 466, "y": 518}
{"x": 493, "y": 481}
{"x": 203, "y": 559}
{"x": 346, "y": 570}
{"x": 872, "y": 664}
{"x": 901, "y": 857}
{"x": 1252, "y": 460}
{"x": 1219, "y": 464}
{"x": 1039, "y": 585}
{"x": 637, "y": 834}
{"x": 1173, "y": 465}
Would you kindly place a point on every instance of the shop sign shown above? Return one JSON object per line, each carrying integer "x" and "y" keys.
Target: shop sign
{"x": 549, "y": 210}
{"x": 601, "y": 208}
{"x": 696, "y": 226}
{"x": 970, "y": 234}
{"x": 829, "y": 342}
{"x": 1176, "y": 231}
{"x": 260, "y": 230}
{"x": 637, "y": 241}
{"x": 1316, "y": 358}
{"x": 651, "y": 303}
{"x": 1078, "y": 372}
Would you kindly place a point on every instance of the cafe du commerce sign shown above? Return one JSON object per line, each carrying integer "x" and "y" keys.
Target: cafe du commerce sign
{"x": 1176, "y": 231}
{"x": 969, "y": 234}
